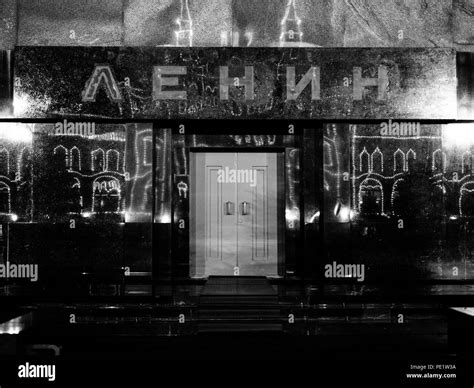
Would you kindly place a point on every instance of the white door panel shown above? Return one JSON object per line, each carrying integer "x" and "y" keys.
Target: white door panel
{"x": 235, "y": 211}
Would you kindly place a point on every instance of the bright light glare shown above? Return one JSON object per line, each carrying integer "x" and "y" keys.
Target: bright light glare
{"x": 292, "y": 215}
{"x": 315, "y": 217}
{"x": 15, "y": 132}
{"x": 20, "y": 104}
{"x": 352, "y": 215}
{"x": 14, "y": 217}
{"x": 345, "y": 214}
{"x": 164, "y": 219}
{"x": 458, "y": 135}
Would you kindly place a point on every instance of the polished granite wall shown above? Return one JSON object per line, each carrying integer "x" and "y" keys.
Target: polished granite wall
{"x": 403, "y": 83}
{"x": 242, "y": 23}
{"x": 426, "y": 44}
{"x": 407, "y": 214}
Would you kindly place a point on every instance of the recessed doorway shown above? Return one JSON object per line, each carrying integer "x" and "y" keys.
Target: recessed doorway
{"x": 236, "y": 208}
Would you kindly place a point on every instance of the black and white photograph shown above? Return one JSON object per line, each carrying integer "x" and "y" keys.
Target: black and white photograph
{"x": 237, "y": 181}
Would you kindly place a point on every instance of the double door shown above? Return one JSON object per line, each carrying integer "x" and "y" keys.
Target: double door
{"x": 234, "y": 208}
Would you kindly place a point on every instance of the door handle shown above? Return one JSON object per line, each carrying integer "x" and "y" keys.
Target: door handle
{"x": 229, "y": 208}
{"x": 245, "y": 208}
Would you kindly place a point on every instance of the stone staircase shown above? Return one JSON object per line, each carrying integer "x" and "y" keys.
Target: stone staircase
{"x": 239, "y": 304}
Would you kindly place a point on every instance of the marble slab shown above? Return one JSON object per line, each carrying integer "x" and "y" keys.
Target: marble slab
{"x": 180, "y": 83}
